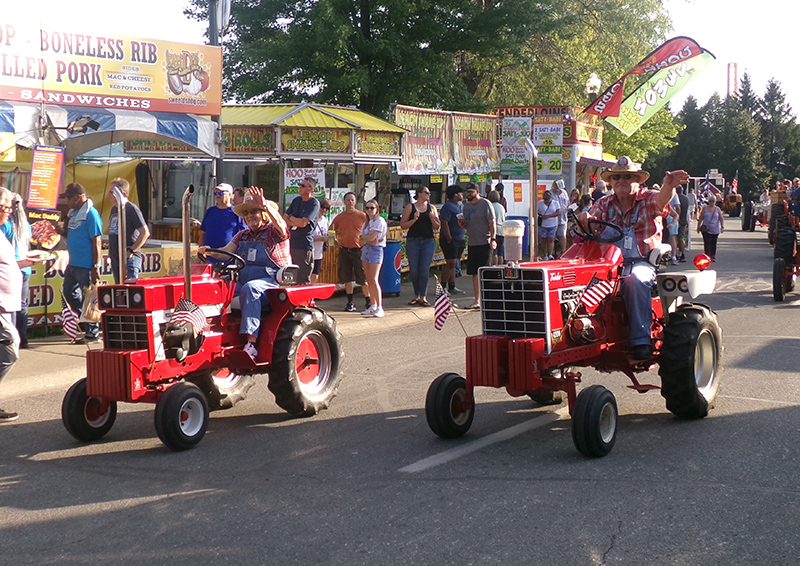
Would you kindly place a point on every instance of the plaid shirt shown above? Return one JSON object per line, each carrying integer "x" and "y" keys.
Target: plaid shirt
{"x": 277, "y": 246}
{"x": 648, "y": 226}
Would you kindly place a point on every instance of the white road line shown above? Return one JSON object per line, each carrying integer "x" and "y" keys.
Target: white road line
{"x": 500, "y": 436}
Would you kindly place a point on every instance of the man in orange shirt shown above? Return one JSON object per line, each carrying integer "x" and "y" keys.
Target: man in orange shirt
{"x": 348, "y": 226}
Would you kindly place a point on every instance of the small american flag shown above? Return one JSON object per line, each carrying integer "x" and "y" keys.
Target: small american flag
{"x": 441, "y": 307}
{"x": 595, "y": 292}
{"x": 735, "y": 183}
{"x": 69, "y": 320}
{"x": 187, "y": 311}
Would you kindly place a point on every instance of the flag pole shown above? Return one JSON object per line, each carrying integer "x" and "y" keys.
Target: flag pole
{"x": 533, "y": 213}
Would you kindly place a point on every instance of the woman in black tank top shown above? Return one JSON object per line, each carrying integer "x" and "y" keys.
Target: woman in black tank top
{"x": 421, "y": 220}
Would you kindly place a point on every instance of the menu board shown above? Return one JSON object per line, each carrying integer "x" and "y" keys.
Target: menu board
{"x": 46, "y": 169}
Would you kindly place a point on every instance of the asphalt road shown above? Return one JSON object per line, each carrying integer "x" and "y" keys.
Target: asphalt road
{"x": 366, "y": 482}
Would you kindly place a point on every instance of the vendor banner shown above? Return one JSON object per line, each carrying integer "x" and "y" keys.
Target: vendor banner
{"x": 378, "y": 143}
{"x": 427, "y": 145}
{"x": 475, "y": 143}
{"x": 78, "y": 67}
{"x": 655, "y": 92}
{"x": 670, "y": 53}
{"x": 513, "y": 157}
{"x": 315, "y": 140}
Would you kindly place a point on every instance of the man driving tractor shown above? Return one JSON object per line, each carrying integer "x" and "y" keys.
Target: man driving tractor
{"x": 638, "y": 212}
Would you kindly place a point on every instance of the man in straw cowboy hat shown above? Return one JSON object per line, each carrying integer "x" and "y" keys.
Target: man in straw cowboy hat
{"x": 264, "y": 245}
{"x": 638, "y": 212}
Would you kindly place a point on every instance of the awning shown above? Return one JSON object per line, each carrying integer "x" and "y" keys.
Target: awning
{"x": 114, "y": 126}
{"x": 305, "y": 115}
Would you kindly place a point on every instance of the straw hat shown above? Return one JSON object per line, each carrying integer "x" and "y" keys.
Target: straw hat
{"x": 248, "y": 205}
{"x": 625, "y": 165}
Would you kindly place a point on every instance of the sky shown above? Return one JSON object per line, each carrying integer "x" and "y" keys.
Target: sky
{"x": 735, "y": 31}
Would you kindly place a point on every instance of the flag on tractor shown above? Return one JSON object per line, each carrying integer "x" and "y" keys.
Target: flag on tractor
{"x": 187, "y": 311}
{"x": 595, "y": 292}
{"x": 441, "y": 307}
{"x": 735, "y": 183}
{"x": 69, "y": 320}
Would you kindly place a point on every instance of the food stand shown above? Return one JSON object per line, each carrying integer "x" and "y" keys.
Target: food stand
{"x": 78, "y": 91}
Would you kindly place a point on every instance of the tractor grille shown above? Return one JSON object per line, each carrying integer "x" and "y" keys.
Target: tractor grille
{"x": 127, "y": 332}
{"x": 513, "y": 302}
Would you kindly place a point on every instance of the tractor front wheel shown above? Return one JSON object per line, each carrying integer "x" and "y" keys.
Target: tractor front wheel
{"x": 87, "y": 418}
{"x": 446, "y": 409}
{"x": 690, "y": 361}
{"x": 306, "y": 362}
{"x": 181, "y": 416}
{"x": 594, "y": 421}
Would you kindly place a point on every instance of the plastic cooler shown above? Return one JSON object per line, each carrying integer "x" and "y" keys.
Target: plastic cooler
{"x": 389, "y": 277}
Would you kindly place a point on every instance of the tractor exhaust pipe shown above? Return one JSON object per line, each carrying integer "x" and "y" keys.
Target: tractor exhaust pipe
{"x": 122, "y": 234}
{"x": 186, "y": 233}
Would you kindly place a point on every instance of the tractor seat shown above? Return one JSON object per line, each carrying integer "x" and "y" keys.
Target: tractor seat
{"x": 286, "y": 275}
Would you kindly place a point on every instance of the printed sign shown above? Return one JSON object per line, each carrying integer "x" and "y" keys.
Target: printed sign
{"x": 427, "y": 144}
{"x": 378, "y": 143}
{"x": 292, "y": 177}
{"x": 77, "y": 67}
{"x": 46, "y": 169}
{"x": 513, "y": 156}
{"x": 475, "y": 143}
{"x": 308, "y": 140}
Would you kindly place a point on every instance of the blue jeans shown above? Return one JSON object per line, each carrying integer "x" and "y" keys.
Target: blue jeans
{"x": 76, "y": 279}
{"x": 134, "y": 266}
{"x": 21, "y": 316}
{"x": 636, "y": 292}
{"x": 252, "y": 297}
{"x": 419, "y": 252}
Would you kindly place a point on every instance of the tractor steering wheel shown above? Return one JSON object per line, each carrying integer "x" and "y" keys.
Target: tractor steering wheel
{"x": 587, "y": 232}
{"x": 232, "y": 265}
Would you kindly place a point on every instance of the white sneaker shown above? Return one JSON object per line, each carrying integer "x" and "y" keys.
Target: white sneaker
{"x": 370, "y": 310}
{"x": 250, "y": 350}
{"x": 378, "y": 313}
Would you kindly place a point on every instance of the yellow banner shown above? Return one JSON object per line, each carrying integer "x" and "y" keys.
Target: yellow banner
{"x": 77, "y": 67}
{"x": 378, "y": 143}
{"x": 306, "y": 140}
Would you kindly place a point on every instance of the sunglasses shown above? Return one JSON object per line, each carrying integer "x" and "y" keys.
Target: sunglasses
{"x": 326, "y": 208}
{"x": 424, "y": 192}
{"x": 626, "y": 177}
{"x": 220, "y": 193}
{"x": 6, "y": 208}
{"x": 371, "y": 207}
{"x": 252, "y": 213}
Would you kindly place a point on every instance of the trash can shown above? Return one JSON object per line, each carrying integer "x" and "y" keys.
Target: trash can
{"x": 513, "y": 233}
{"x": 525, "y": 238}
{"x": 389, "y": 277}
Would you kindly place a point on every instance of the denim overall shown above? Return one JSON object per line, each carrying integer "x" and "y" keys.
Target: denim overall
{"x": 255, "y": 278}
{"x": 637, "y": 282}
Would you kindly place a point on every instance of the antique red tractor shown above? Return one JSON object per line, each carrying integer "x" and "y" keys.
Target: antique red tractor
{"x": 542, "y": 321}
{"x": 188, "y": 369}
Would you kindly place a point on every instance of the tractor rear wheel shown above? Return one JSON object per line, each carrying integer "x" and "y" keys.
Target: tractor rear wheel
{"x": 181, "y": 416}
{"x": 690, "y": 361}
{"x": 747, "y": 215}
{"x": 306, "y": 362}
{"x": 545, "y": 397}
{"x": 87, "y": 418}
{"x": 223, "y": 388}
{"x": 779, "y": 279}
{"x": 594, "y": 421}
{"x": 445, "y": 406}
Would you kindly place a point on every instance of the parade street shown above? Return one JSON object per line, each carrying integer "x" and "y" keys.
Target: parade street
{"x": 367, "y": 482}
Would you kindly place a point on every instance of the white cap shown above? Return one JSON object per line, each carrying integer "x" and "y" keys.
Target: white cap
{"x": 225, "y": 188}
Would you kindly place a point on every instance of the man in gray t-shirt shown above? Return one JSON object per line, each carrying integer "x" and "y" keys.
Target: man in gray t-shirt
{"x": 479, "y": 220}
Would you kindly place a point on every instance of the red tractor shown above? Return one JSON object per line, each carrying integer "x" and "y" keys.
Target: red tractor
{"x": 187, "y": 371}
{"x": 542, "y": 321}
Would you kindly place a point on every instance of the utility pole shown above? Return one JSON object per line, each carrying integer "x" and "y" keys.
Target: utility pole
{"x": 213, "y": 38}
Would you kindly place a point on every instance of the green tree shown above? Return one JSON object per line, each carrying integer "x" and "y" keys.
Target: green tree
{"x": 776, "y": 129}
{"x": 372, "y": 53}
